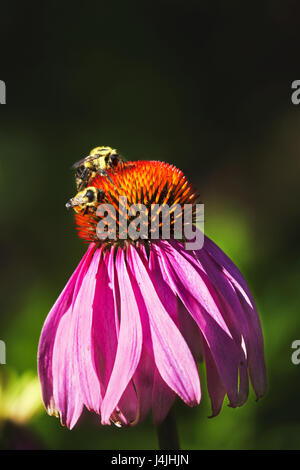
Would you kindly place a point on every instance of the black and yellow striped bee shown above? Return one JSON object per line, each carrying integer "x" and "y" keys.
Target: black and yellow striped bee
{"x": 99, "y": 160}
{"x": 86, "y": 199}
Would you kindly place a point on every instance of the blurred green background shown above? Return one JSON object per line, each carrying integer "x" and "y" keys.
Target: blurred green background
{"x": 204, "y": 85}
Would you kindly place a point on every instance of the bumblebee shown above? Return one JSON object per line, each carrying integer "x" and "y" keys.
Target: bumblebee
{"x": 86, "y": 199}
{"x": 99, "y": 160}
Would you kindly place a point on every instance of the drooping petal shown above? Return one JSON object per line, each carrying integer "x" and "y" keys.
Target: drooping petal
{"x": 104, "y": 328}
{"x": 106, "y": 332}
{"x": 113, "y": 283}
{"x": 256, "y": 359}
{"x": 190, "y": 331}
{"x": 66, "y": 387}
{"x": 129, "y": 342}
{"x": 173, "y": 358}
{"x": 127, "y": 413}
{"x": 83, "y": 339}
{"x": 234, "y": 316}
{"x": 163, "y": 398}
{"x": 105, "y": 337}
{"x": 197, "y": 280}
{"x": 46, "y": 343}
{"x": 165, "y": 293}
{"x": 216, "y": 389}
{"x": 174, "y": 306}
{"x": 225, "y": 262}
{"x": 192, "y": 287}
{"x": 143, "y": 382}
{"x": 143, "y": 378}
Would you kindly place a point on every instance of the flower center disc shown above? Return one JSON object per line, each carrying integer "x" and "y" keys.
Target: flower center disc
{"x": 146, "y": 197}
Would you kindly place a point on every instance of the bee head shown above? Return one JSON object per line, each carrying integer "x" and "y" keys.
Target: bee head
{"x": 89, "y": 197}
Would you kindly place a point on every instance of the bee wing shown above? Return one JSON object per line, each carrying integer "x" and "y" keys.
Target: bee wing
{"x": 89, "y": 158}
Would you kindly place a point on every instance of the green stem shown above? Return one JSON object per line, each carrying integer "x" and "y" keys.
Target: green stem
{"x": 167, "y": 433}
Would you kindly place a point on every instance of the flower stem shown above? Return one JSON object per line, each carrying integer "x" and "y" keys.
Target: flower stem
{"x": 167, "y": 433}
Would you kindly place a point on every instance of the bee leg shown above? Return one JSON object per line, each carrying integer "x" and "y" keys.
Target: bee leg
{"x": 100, "y": 195}
{"x": 104, "y": 173}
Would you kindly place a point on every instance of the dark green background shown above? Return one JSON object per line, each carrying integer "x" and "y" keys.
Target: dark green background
{"x": 204, "y": 85}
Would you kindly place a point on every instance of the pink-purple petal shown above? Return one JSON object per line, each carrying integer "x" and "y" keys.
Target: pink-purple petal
{"x": 47, "y": 338}
{"x": 162, "y": 399}
{"x": 129, "y": 342}
{"x": 256, "y": 359}
{"x": 216, "y": 389}
{"x": 254, "y": 340}
{"x": 143, "y": 382}
{"x": 190, "y": 331}
{"x": 104, "y": 328}
{"x": 66, "y": 388}
{"x": 202, "y": 304}
{"x": 174, "y": 306}
{"x": 173, "y": 358}
{"x": 127, "y": 412}
{"x": 83, "y": 339}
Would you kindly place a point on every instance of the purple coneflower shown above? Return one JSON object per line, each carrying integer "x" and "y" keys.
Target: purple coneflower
{"x": 126, "y": 333}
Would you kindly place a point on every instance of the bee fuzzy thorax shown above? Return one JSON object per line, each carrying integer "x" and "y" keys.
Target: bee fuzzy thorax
{"x": 99, "y": 161}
